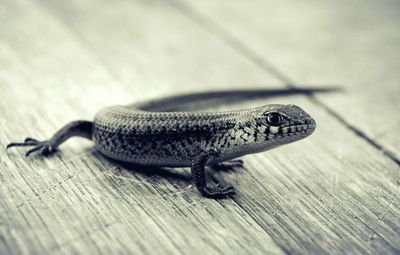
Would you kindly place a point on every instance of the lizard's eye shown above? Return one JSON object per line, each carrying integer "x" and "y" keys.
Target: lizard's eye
{"x": 274, "y": 119}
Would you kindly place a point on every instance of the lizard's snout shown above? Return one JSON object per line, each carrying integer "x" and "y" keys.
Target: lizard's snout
{"x": 311, "y": 125}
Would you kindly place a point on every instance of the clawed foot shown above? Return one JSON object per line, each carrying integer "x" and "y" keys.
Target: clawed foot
{"x": 42, "y": 148}
{"x": 218, "y": 192}
{"x": 228, "y": 166}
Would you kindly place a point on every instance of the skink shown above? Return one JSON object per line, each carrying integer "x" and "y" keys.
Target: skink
{"x": 155, "y": 133}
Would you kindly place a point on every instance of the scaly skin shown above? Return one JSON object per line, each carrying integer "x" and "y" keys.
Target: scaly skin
{"x": 173, "y": 138}
{"x": 185, "y": 139}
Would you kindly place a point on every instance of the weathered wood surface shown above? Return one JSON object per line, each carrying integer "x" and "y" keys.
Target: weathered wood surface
{"x": 62, "y": 60}
{"x": 352, "y": 44}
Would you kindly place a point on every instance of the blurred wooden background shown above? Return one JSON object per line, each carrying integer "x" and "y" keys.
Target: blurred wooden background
{"x": 336, "y": 192}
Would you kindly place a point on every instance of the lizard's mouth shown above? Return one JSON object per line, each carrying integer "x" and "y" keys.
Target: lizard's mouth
{"x": 305, "y": 129}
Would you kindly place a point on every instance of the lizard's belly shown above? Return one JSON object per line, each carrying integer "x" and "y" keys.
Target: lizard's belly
{"x": 171, "y": 150}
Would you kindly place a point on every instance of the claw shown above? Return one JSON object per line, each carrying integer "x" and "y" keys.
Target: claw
{"x": 43, "y": 147}
{"x": 29, "y": 143}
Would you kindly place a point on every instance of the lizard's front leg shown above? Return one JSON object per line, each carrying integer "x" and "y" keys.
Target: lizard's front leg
{"x": 199, "y": 177}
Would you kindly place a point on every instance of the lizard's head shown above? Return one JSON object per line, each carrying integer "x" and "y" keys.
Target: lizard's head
{"x": 265, "y": 128}
{"x": 282, "y": 124}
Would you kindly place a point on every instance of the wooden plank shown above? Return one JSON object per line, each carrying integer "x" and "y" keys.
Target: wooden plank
{"x": 330, "y": 193}
{"x": 148, "y": 44}
{"x": 77, "y": 201}
{"x": 351, "y": 44}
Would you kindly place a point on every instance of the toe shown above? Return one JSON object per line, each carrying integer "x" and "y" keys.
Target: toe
{"x": 29, "y": 139}
{"x": 21, "y": 144}
{"x": 39, "y": 147}
{"x": 218, "y": 192}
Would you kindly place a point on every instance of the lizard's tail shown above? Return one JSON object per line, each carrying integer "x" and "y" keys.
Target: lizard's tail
{"x": 202, "y": 100}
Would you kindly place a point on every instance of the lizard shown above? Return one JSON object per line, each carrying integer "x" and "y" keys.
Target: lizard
{"x": 157, "y": 133}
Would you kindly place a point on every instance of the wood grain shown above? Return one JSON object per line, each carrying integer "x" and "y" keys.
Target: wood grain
{"x": 60, "y": 61}
{"x": 353, "y": 45}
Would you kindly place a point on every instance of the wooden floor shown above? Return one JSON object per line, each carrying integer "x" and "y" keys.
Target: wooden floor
{"x": 335, "y": 192}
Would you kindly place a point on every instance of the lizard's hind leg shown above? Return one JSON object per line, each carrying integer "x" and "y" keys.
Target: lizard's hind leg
{"x": 76, "y": 128}
{"x": 228, "y": 166}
